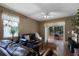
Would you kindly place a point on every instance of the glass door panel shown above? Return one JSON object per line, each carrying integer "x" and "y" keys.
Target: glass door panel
{"x": 52, "y": 30}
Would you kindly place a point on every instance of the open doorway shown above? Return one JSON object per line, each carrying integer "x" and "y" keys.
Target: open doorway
{"x": 54, "y": 28}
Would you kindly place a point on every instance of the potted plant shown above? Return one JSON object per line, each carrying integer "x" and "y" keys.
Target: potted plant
{"x": 13, "y": 31}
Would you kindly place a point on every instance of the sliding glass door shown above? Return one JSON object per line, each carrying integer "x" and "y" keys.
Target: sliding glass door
{"x": 52, "y": 30}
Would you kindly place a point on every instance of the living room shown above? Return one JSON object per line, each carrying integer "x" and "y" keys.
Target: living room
{"x": 46, "y": 21}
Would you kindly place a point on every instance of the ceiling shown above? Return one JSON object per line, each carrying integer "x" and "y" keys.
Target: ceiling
{"x": 44, "y": 11}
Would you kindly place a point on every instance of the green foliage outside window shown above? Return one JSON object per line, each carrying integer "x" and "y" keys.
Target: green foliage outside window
{"x": 56, "y": 30}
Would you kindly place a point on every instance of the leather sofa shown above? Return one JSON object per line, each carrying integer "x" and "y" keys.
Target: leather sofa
{"x": 33, "y": 42}
{"x": 10, "y": 48}
{"x": 14, "y": 48}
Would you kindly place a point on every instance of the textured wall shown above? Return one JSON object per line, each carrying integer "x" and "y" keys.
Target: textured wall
{"x": 68, "y": 25}
{"x": 27, "y": 25}
{"x": 1, "y": 25}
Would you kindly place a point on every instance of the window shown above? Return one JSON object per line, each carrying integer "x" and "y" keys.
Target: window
{"x": 53, "y": 28}
{"x": 10, "y": 25}
{"x": 56, "y": 30}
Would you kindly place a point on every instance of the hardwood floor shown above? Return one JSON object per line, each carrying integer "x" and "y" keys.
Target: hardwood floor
{"x": 51, "y": 47}
{"x": 47, "y": 50}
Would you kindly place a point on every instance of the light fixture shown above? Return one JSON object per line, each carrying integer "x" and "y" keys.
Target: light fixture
{"x": 46, "y": 16}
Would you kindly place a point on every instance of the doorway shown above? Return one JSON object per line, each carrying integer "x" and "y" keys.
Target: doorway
{"x": 55, "y": 28}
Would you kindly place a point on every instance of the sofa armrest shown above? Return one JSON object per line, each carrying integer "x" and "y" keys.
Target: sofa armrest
{"x": 4, "y": 52}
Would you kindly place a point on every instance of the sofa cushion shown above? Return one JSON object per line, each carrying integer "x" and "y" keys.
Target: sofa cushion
{"x": 17, "y": 50}
{"x": 4, "y": 43}
{"x": 27, "y": 37}
{"x": 20, "y": 51}
{"x": 3, "y": 52}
